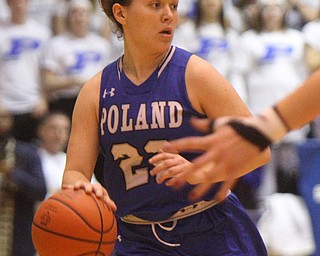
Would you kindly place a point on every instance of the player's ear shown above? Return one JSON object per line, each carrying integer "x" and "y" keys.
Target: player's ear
{"x": 119, "y": 13}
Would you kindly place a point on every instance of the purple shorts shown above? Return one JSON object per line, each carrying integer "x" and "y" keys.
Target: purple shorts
{"x": 224, "y": 229}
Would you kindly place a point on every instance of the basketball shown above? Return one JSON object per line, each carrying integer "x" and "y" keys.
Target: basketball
{"x": 74, "y": 223}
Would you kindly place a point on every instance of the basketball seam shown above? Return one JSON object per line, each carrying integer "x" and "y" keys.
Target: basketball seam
{"x": 96, "y": 242}
{"x": 90, "y": 253}
{"x": 84, "y": 220}
{"x": 71, "y": 237}
{"x": 101, "y": 222}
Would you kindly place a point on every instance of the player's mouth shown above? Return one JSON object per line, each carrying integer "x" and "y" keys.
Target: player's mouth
{"x": 168, "y": 32}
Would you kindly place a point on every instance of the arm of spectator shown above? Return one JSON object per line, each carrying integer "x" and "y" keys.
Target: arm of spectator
{"x": 307, "y": 12}
{"x": 54, "y": 82}
{"x": 27, "y": 174}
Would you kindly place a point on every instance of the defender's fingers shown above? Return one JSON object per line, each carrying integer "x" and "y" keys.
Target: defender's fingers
{"x": 187, "y": 144}
{"x": 189, "y": 175}
{"x": 225, "y": 190}
{"x": 176, "y": 182}
{"x": 211, "y": 155}
{"x": 200, "y": 190}
{"x": 203, "y": 125}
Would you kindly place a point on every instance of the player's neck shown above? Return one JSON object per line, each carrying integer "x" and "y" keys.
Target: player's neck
{"x": 138, "y": 66}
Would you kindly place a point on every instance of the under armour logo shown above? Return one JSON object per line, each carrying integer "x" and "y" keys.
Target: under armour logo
{"x": 111, "y": 92}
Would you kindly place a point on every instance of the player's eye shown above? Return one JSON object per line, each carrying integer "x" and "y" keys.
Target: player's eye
{"x": 155, "y": 4}
{"x": 174, "y": 6}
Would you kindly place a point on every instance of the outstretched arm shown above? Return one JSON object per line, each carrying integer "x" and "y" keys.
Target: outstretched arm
{"x": 213, "y": 96}
{"x": 302, "y": 105}
{"x": 230, "y": 150}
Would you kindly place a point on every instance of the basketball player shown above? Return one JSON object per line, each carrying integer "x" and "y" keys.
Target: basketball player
{"x": 130, "y": 109}
{"x": 246, "y": 138}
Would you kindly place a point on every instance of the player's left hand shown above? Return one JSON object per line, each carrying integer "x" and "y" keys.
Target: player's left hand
{"x": 167, "y": 165}
{"x": 226, "y": 155}
{"x": 170, "y": 166}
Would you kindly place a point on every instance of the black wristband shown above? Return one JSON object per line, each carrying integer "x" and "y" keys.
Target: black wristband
{"x": 251, "y": 134}
{"x": 284, "y": 122}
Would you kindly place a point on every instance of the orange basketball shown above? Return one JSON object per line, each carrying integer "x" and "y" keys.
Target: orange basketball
{"x": 74, "y": 223}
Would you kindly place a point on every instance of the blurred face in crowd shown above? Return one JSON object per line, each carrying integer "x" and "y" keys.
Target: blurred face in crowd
{"x": 211, "y": 9}
{"x": 78, "y": 20}
{"x": 272, "y": 14}
{"x": 251, "y": 12}
{"x": 18, "y": 9}
{"x": 54, "y": 133}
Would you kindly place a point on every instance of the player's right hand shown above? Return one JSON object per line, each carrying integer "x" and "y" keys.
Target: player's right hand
{"x": 93, "y": 188}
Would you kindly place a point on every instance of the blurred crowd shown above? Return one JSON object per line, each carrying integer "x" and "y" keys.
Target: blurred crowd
{"x": 50, "y": 48}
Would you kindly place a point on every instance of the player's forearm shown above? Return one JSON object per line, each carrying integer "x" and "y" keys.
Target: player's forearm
{"x": 70, "y": 177}
{"x": 292, "y": 112}
{"x": 303, "y": 104}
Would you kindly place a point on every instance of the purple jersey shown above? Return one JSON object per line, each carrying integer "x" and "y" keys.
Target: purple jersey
{"x": 134, "y": 123}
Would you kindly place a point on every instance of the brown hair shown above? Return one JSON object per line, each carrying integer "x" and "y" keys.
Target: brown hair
{"x": 199, "y": 16}
{"x": 107, "y": 8}
{"x": 259, "y": 27}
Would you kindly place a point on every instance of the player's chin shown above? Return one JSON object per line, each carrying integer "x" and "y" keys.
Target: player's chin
{"x": 164, "y": 39}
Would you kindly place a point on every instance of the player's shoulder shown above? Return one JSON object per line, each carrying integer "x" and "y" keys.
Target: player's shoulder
{"x": 198, "y": 66}
{"x": 177, "y": 53}
{"x": 200, "y": 73}
{"x": 177, "y": 57}
{"x": 93, "y": 83}
{"x": 90, "y": 92}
